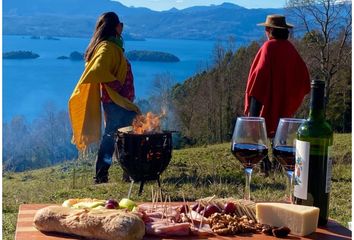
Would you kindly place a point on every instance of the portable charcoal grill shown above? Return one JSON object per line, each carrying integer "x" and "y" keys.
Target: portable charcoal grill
{"x": 144, "y": 156}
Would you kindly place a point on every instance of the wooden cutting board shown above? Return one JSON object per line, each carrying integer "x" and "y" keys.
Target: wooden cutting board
{"x": 26, "y": 231}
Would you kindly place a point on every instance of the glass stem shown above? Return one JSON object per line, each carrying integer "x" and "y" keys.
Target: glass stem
{"x": 130, "y": 188}
{"x": 290, "y": 175}
{"x": 247, "y": 193}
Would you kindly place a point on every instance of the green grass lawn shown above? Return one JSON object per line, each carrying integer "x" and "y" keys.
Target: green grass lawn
{"x": 194, "y": 173}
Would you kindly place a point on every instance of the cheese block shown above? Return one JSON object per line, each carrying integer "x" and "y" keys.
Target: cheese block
{"x": 302, "y": 220}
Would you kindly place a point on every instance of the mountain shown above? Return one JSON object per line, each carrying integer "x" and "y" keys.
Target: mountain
{"x": 66, "y": 7}
{"x": 77, "y": 18}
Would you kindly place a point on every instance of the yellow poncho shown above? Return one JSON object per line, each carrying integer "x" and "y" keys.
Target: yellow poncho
{"x": 106, "y": 65}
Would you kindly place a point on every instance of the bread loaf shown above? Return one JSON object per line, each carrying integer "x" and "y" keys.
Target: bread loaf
{"x": 97, "y": 224}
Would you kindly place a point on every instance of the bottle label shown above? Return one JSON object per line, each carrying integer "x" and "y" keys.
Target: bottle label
{"x": 301, "y": 173}
{"x": 329, "y": 170}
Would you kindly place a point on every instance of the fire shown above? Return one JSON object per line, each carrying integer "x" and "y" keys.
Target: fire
{"x": 147, "y": 123}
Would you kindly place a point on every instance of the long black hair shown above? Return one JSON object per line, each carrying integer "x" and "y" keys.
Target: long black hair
{"x": 105, "y": 28}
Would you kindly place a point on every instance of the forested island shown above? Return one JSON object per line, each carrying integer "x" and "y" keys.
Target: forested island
{"x": 151, "y": 56}
{"x": 20, "y": 55}
{"x": 35, "y": 37}
{"x": 135, "y": 55}
{"x": 74, "y": 56}
{"x": 51, "y": 38}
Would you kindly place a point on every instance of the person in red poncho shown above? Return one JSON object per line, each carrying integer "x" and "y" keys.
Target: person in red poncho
{"x": 278, "y": 79}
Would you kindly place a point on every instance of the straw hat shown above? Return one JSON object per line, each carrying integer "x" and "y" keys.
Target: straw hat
{"x": 276, "y": 21}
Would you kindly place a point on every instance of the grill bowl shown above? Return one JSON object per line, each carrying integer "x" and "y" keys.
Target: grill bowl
{"x": 144, "y": 156}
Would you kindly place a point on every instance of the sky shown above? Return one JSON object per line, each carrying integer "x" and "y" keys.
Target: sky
{"x": 160, "y": 5}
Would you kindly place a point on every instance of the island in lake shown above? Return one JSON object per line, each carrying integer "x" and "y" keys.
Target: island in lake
{"x": 20, "y": 55}
{"x": 151, "y": 56}
{"x": 135, "y": 55}
{"x": 35, "y": 37}
{"x": 75, "y": 56}
{"x": 63, "y": 57}
{"x": 51, "y": 38}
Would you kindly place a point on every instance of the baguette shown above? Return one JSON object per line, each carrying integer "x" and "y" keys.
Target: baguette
{"x": 100, "y": 224}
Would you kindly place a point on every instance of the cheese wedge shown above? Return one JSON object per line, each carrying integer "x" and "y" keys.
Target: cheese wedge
{"x": 302, "y": 220}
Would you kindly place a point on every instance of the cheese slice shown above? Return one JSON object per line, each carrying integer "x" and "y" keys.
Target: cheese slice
{"x": 302, "y": 220}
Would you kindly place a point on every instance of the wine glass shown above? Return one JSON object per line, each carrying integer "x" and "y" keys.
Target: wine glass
{"x": 284, "y": 149}
{"x": 249, "y": 145}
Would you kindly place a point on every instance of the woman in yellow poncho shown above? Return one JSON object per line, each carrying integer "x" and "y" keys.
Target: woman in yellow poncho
{"x": 107, "y": 78}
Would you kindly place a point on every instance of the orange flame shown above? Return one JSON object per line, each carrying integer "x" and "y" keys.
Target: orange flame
{"x": 146, "y": 123}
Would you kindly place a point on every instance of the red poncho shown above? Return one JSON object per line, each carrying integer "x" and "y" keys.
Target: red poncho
{"x": 279, "y": 80}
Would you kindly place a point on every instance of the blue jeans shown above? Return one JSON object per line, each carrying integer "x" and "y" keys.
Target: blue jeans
{"x": 116, "y": 117}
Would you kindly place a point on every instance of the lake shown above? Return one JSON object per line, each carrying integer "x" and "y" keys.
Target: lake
{"x": 30, "y": 83}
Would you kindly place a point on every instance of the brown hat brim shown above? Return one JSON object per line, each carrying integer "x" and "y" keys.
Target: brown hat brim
{"x": 275, "y": 26}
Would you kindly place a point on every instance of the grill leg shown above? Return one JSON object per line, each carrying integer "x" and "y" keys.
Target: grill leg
{"x": 141, "y": 187}
{"x": 159, "y": 184}
{"x": 158, "y": 181}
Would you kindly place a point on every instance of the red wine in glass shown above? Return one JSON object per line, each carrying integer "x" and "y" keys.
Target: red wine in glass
{"x": 249, "y": 154}
{"x": 284, "y": 149}
{"x": 285, "y": 155}
{"x": 249, "y": 146}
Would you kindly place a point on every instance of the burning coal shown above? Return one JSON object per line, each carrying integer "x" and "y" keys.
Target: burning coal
{"x": 149, "y": 123}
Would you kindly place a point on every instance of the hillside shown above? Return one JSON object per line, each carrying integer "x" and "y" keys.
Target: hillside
{"x": 196, "y": 172}
{"x": 55, "y": 18}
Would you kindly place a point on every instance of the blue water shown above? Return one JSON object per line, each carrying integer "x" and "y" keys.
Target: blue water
{"x": 29, "y": 84}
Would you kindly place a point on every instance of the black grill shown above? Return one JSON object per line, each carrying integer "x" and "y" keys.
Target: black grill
{"x": 144, "y": 156}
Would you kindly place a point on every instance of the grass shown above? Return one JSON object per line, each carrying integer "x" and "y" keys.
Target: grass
{"x": 194, "y": 172}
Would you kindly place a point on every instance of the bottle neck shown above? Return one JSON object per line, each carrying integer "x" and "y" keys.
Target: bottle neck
{"x": 317, "y": 103}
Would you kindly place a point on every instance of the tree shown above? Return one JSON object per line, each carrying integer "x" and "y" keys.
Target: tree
{"x": 327, "y": 25}
{"x": 207, "y": 103}
{"x": 16, "y": 144}
{"x": 43, "y": 142}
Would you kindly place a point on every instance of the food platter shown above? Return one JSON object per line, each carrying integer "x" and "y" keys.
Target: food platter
{"x": 26, "y": 231}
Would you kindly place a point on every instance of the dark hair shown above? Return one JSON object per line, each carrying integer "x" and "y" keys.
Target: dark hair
{"x": 105, "y": 28}
{"x": 279, "y": 33}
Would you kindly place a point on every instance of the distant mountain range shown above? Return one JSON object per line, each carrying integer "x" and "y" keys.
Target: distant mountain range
{"x": 76, "y": 18}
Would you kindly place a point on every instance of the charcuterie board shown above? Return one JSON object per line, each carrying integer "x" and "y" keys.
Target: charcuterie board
{"x": 26, "y": 231}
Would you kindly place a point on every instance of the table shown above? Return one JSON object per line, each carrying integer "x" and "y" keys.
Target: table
{"x": 26, "y": 231}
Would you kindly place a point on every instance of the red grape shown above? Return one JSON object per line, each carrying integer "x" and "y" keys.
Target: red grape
{"x": 210, "y": 209}
{"x": 110, "y": 206}
{"x": 113, "y": 202}
{"x": 197, "y": 207}
{"x": 229, "y": 208}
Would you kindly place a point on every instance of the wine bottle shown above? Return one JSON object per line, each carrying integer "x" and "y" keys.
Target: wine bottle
{"x": 313, "y": 163}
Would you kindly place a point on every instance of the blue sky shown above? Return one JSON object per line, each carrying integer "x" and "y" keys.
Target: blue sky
{"x": 160, "y": 5}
